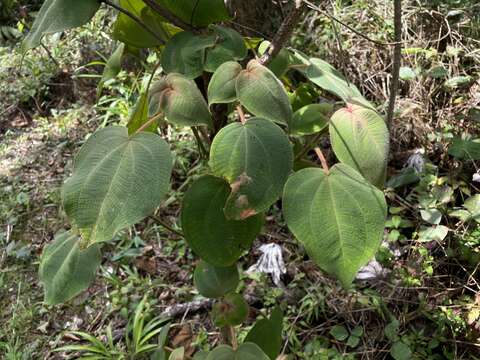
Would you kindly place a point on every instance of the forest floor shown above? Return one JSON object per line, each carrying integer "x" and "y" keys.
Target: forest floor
{"x": 420, "y": 300}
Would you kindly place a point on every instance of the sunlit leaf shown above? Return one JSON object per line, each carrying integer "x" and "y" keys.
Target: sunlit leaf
{"x": 117, "y": 180}
{"x": 256, "y": 159}
{"x": 338, "y": 217}
{"x": 360, "y": 139}
{"x": 66, "y": 269}
{"x": 139, "y": 116}
{"x": 221, "y": 88}
{"x": 229, "y": 46}
{"x": 310, "y": 119}
{"x": 259, "y": 90}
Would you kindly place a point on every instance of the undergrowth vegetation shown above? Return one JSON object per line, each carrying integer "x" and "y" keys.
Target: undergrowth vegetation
{"x": 418, "y": 295}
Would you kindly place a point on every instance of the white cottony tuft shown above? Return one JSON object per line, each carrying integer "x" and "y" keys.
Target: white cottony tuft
{"x": 270, "y": 262}
{"x": 372, "y": 270}
{"x": 476, "y": 176}
{"x": 416, "y": 161}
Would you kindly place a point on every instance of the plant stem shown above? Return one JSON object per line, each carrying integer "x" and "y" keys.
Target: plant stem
{"x": 308, "y": 146}
{"x": 149, "y": 122}
{"x": 283, "y": 34}
{"x": 323, "y": 161}
{"x": 166, "y": 226}
{"x": 397, "y": 57}
{"x": 136, "y": 19}
{"x": 241, "y": 114}
{"x": 228, "y": 336}
{"x": 201, "y": 147}
{"x": 159, "y": 9}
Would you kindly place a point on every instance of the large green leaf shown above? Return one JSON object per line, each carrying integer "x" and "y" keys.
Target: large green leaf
{"x": 267, "y": 334}
{"x": 128, "y": 31}
{"x": 180, "y": 100}
{"x": 338, "y": 217}
{"x": 221, "y": 88}
{"x": 59, "y": 15}
{"x": 66, "y": 269}
{"x": 259, "y": 90}
{"x": 360, "y": 139}
{"x": 229, "y": 45}
{"x": 256, "y": 159}
{"x": 197, "y": 13}
{"x": 185, "y": 53}
{"x": 214, "y": 282}
{"x": 310, "y": 119}
{"x": 246, "y": 351}
{"x": 465, "y": 149}
{"x": 215, "y": 239}
{"x": 117, "y": 181}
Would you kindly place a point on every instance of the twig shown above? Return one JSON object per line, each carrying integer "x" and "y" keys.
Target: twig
{"x": 323, "y": 161}
{"x": 136, "y": 19}
{"x": 397, "y": 54}
{"x": 331, "y": 17}
{"x": 201, "y": 147}
{"x": 241, "y": 114}
{"x": 283, "y": 34}
{"x": 159, "y": 9}
{"x": 148, "y": 123}
{"x": 166, "y": 226}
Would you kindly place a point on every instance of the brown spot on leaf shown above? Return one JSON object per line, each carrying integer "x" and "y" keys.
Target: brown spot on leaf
{"x": 247, "y": 213}
{"x": 243, "y": 179}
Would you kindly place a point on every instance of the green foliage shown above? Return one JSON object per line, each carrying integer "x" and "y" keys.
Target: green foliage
{"x": 130, "y": 32}
{"x": 199, "y": 13}
{"x": 465, "y": 149}
{"x": 360, "y": 139}
{"x": 246, "y": 351}
{"x": 112, "y": 67}
{"x": 221, "y": 88}
{"x": 259, "y": 90}
{"x": 215, "y": 282}
{"x": 139, "y": 116}
{"x": 267, "y": 334}
{"x": 228, "y": 46}
{"x": 117, "y": 180}
{"x": 213, "y": 237}
{"x": 339, "y": 217}
{"x": 470, "y": 210}
{"x": 279, "y": 63}
{"x": 66, "y": 269}
{"x": 179, "y": 99}
{"x": 310, "y": 119}
{"x": 231, "y": 310}
{"x": 256, "y": 159}
{"x": 59, "y": 15}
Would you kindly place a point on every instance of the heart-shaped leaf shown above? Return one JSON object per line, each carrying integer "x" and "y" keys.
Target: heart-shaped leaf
{"x": 180, "y": 100}
{"x": 246, "y": 351}
{"x": 310, "y": 119}
{"x": 214, "y": 282}
{"x": 232, "y": 310}
{"x": 221, "y": 88}
{"x": 360, "y": 139}
{"x": 130, "y": 32}
{"x": 66, "y": 269}
{"x": 267, "y": 334}
{"x": 197, "y": 13}
{"x": 185, "y": 54}
{"x": 256, "y": 159}
{"x": 259, "y": 90}
{"x": 338, "y": 217}
{"x": 117, "y": 181}
{"x": 59, "y": 15}
{"x": 229, "y": 45}
{"x": 215, "y": 239}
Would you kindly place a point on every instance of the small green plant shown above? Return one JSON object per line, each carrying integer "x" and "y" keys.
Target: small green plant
{"x": 258, "y": 150}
